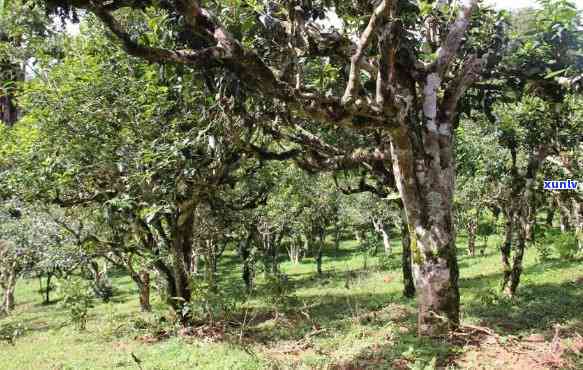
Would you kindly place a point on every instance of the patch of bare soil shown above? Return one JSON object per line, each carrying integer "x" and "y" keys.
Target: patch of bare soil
{"x": 206, "y": 333}
{"x": 484, "y": 349}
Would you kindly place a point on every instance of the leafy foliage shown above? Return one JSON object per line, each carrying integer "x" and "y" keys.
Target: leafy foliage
{"x": 77, "y": 298}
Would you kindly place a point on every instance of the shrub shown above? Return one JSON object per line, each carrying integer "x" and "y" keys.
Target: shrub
{"x": 9, "y": 332}
{"x": 387, "y": 262}
{"x": 77, "y": 298}
{"x": 277, "y": 289}
{"x": 211, "y": 305}
{"x": 563, "y": 243}
{"x": 486, "y": 229}
{"x": 543, "y": 250}
{"x": 103, "y": 289}
{"x": 566, "y": 245}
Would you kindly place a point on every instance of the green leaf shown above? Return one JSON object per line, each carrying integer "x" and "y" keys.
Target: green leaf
{"x": 555, "y": 74}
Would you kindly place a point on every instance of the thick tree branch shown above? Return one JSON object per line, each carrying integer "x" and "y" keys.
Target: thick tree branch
{"x": 355, "y": 65}
{"x": 208, "y": 57}
{"x": 266, "y": 155}
{"x": 363, "y": 187}
{"x": 469, "y": 73}
{"x": 230, "y": 54}
{"x": 453, "y": 41}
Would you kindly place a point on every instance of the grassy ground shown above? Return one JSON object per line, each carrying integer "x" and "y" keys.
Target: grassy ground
{"x": 351, "y": 318}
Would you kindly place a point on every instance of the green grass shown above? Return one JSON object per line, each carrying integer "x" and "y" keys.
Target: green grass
{"x": 369, "y": 325}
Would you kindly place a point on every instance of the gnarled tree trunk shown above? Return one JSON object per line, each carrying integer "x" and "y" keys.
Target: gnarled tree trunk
{"x": 519, "y": 218}
{"x": 423, "y": 163}
{"x": 426, "y": 185}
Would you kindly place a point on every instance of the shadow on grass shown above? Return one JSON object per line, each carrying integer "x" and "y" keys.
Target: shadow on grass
{"x": 42, "y": 303}
{"x": 536, "y": 307}
{"x": 351, "y": 316}
{"x": 36, "y": 323}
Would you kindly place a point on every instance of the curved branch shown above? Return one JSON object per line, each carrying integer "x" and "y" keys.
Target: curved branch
{"x": 454, "y": 38}
{"x": 365, "y": 38}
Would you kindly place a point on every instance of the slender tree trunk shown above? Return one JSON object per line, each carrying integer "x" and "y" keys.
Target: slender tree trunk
{"x": 8, "y": 112}
{"x": 564, "y": 220}
{"x": 269, "y": 254}
{"x": 194, "y": 263}
{"x": 142, "y": 280}
{"x": 382, "y": 228}
{"x": 516, "y": 270}
{"x": 358, "y": 236}
{"x": 506, "y": 248}
{"x": 472, "y": 229}
{"x": 8, "y": 107}
{"x": 320, "y": 251}
{"x": 512, "y": 273}
{"x": 145, "y": 291}
{"x": 522, "y": 200}
{"x": 386, "y": 242}
{"x": 485, "y": 245}
{"x": 563, "y": 215}
{"x": 275, "y": 252}
{"x": 170, "y": 291}
{"x": 181, "y": 254}
{"x": 319, "y": 261}
{"x": 245, "y": 253}
{"x": 578, "y": 222}
{"x": 266, "y": 253}
{"x": 337, "y": 235}
{"x": 294, "y": 250}
{"x": 375, "y": 250}
{"x": 9, "y": 302}
{"x": 211, "y": 265}
{"x": 550, "y": 216}
{"x": 530, "y": 226}
{"x": 9, "y": 287}
{"x": 408, "y": 281}
{"x": 195, "y": 258}
{"x": 48, "y": 289}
